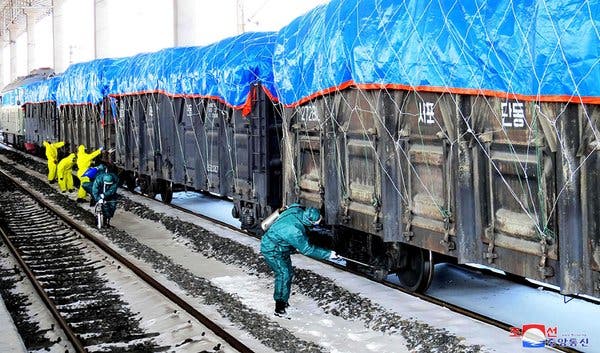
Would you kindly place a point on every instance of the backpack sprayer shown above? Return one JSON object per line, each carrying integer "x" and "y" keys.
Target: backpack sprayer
{"x": 267, "y": 222}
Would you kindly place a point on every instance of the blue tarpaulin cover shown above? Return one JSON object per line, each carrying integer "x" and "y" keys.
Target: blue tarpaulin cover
{"x": 41, "y": 91}
{"x": 526, "y": 49}
{"x": 226, "y": 70}
{"x": 83, "y": 83}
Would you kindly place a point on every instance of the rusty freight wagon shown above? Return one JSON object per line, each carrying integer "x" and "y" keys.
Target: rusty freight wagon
{"x": 80, "y": 94}
{"x": 432, "y": 130}
{"x": 40, "y": 114}
{"x": 13, "y": 125}
{"x": 202, "y": 118}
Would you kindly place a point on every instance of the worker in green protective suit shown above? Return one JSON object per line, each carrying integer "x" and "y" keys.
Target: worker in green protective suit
{"x": 287, "y": 233}
{"x": 104, "y": 191}
{"x": 87, "y": 180}
{"x": 84, "y": 161}
{"x": 52, "y": 156}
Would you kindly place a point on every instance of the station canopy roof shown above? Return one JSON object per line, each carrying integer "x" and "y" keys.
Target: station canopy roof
{"x": 13, "y": 13}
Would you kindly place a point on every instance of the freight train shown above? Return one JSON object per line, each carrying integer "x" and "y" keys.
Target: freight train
{"x": 419, "y": 133}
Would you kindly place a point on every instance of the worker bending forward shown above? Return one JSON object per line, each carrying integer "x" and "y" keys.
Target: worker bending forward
{"x": 87, "y": 180}
{"x": 84, "y": 161}
{"x": 52, "y": 156}
{"x": 288, "y": 232}
{"x": 65, "y": 173}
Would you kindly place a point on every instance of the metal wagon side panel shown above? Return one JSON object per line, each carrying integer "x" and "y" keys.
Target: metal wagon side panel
{"x": 144, "y": 117}
{"x": 257, "y": 165}
{"x": 66, "y": 127}
{"x": 518, "y": 194}
{"x": 48, "y": 122}
{"x": 31, "y": 122}
{"x": 193, "y": 134}
{"x": 356, "y": 129}
{"x": 179, "y": 157}
{"x": 219, "y": 148}
{"x": 303, "y": 160}
{"x": 428, "y": 164}
{"x": 165, "y": 134}
{"x": 590, "y": 196}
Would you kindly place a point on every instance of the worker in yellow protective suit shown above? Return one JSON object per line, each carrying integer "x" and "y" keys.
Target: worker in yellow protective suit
{"x": 65, "y": 173}
{"x": 84, "y": 162}
{"x": 52, "y": 156}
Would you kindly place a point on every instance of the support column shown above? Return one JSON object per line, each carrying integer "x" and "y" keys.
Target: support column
{"x": 102, "y": 16}
{"x": 3, "y": 41}
{"x": 30, "y": 19}
{"x": 59, "y": 46}
{"x": 12, "y": 40}
{"x": 186, "y": 31}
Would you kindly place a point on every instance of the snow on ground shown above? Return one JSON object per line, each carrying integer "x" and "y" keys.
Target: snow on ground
{"x": 519, "y": 304}
{"x": 501, "y": 299}
{"x": 308, "y": 320}
{"x": 482, "y": 293}
{"x": 309, "y": 323}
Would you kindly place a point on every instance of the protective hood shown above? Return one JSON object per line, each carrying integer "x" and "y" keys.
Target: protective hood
{"x": 310, "y": 216}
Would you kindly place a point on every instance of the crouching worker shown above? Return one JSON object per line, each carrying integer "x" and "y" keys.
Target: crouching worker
{"x": 104, "y": 191}
{"x": 65, "y": 173}
{"x": 87, "y": 181}
{"x": 289, "y": 232}
{"x": 52, "y": 156}
{"x": 84, "y": 161}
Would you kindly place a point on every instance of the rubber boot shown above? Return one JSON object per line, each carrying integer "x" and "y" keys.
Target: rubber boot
{"x": 280, "y": 307}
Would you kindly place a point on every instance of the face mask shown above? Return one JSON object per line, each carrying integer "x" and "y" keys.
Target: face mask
{"x": 317, "y": 222}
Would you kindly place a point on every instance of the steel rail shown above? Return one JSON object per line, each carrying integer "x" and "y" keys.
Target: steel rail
{"x": 452, "y": 307}
{"x": 211, "y": 325}
{"x": 460, "y": 310}
{"x": 75, "y": 341}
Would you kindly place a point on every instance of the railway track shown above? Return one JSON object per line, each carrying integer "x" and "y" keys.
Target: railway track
{"x": 52, "y": 251}
{"x": 364, "y": 274}
{"x": 450, "y": 306}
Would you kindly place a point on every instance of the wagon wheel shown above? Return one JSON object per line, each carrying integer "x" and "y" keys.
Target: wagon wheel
{"x": 166, "y": 191}
{"x": 130, "y": 182}
{"x": 147, "y": 186}
{"x": 416, "y": 269}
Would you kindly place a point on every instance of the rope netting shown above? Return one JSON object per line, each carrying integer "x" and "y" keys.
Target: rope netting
{"x": 396, "y": 92}
{"x": 426, "y": 76}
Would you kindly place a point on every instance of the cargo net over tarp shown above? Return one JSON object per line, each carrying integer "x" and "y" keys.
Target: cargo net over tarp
{"x": 476, "y": 117}
{"x": 183, "y": 101}
{"x": 152, "y": 101}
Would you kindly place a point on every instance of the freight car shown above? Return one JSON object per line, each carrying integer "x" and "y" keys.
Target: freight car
{"x": 196, "y": 117}
{"x": 202, "y": 119}
{"x": 421, "y": 141}
{"x": 12, "y": 123}
{"x": 414, "y": 149}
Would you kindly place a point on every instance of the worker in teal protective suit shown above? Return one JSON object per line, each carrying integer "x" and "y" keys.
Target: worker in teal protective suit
{"x": 104, "y": 191}
{"x": 287, "y": 233}
{"x": 87, "y": 180}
